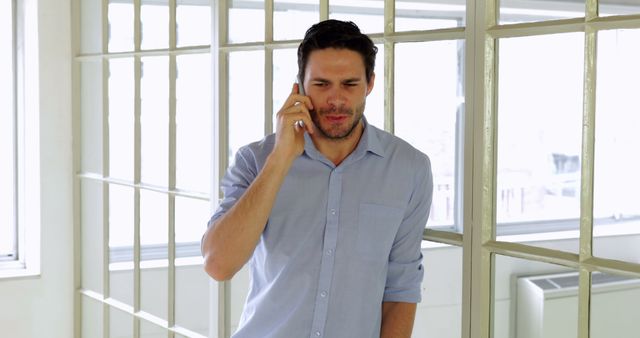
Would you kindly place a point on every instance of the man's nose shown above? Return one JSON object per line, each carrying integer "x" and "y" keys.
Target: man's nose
{"x": 337, "y": 97}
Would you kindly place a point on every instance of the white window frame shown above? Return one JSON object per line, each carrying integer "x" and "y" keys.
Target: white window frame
{"x": 96, "y": 35}
{"x": 483, "y": 243}
{"x": 12, "y": 256}
{"x": 27, "y": 148}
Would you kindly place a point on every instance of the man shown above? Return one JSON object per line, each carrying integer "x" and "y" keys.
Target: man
{"x": 328, "y": 211}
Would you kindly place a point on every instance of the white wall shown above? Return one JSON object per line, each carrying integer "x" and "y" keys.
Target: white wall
{"x": 42, "y": 306}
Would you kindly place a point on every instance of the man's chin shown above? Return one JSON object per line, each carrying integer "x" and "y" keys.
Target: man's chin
{"x": 338, "y": 134}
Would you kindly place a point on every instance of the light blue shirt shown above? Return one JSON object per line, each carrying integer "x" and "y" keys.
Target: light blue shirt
{"x": 340, "y": 240}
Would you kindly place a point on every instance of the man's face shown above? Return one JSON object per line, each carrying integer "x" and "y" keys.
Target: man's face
{"x": 335, "y": 80}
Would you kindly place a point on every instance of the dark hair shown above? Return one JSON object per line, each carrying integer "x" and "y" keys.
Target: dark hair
{"x": 340, "y": 35}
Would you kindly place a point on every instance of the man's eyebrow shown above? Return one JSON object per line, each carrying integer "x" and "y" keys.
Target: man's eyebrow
{"x": 350, "y": 80}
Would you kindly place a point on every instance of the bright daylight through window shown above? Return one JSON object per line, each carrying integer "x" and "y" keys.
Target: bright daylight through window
{"x": 8, "y": 226}
{"x": 192, "y": 130}
{"x": 539, "y": 128}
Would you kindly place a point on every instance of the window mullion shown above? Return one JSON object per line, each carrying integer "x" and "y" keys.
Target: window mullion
{"x": 389, "y": 64}
{"x": 470, "y": 78}
{"x": 268, "y": 67}
{"x": 137, "y": 37}
{"x": 484, "y": 164}
{"x": 389, "y": 75}
{"x": 587, "y": 174}
{"x": 15, "y": 219}
{"x": 324, "y": 10}
{"x": 171, "y": 245}
{"x": 220, "y": 291}
{"x": 106, "y": 282}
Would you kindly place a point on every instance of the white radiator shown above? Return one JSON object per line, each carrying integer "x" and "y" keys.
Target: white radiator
{"x": 547, "y": 306}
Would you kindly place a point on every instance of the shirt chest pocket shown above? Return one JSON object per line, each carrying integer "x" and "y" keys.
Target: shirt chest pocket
{"x": 377, "y": 228}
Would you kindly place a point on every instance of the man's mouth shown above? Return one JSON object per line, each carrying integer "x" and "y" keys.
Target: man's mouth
{"x": 336, "y": 118}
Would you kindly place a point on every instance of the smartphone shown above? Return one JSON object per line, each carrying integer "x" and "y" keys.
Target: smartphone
{"x": 300, "y": 86}
{"x": 300, "y": 123}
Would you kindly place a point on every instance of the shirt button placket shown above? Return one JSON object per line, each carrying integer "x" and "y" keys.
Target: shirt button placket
{"x": 326, "y": 264}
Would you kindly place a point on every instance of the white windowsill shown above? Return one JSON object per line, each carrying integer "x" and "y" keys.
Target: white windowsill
{"x": 157, "y": 264}
{"x": 9, "y": 270}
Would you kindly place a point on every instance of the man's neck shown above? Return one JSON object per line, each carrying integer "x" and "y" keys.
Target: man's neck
{"x": 337, "y": 150}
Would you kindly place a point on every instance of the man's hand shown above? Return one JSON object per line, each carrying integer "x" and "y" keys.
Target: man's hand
{"x": 289, "y": 132}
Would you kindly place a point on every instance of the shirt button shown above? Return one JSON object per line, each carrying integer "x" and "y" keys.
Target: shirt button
{"x": 333, "y": 211}
{"x": 323, "y": 294}
{"x": 318, "y": 333}
{"x": 329, "y": 252}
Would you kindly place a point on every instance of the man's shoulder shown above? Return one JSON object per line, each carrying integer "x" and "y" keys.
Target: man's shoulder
{"x": 395, "y": 146}
{"x": 260, "y": 147}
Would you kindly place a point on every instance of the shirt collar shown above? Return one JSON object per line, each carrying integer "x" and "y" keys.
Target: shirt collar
{"x": 369, "y": 142}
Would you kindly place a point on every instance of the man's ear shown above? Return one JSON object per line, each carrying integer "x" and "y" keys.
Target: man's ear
{"x": 370, "y": 83}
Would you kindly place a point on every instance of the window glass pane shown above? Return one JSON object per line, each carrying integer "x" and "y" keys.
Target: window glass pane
{"x": 121, "y": 217}
{"x": 7, "y": 154}
{"x": 616, "y": 181}
{"x": 193, "y": 122}
{"x": 534, "y": 299}
{"x": 440, "y": 312}
{"x": 436, "y": 88}
{"x": 291, "y": 19}
{"x": 150, "y": 330}
{"x": 154, "y": 120}
{"x": 90, "y": 21}
{"x": 193, "y": 24}
{"x": 121, "y": 107}
{"x": 424, "y": 15}
{"x": 154, "y": 224}
{"x": 92, "y": 225}
{"x": 246, "y": 21}
{"x": 92, "y": 315}
{"x": 192, "y": 298}
{"x": 539, "y": 131}
{"x": 368, "y": 15}
{"x": 154, "y": 238}
{"x": 120, "y": 26}
{"x": 516, "y": 11}
{"x": 91, "y": 119}
{"x": 285, "y": 71}
{"x": 120, "y": 323}
{"x": 619, "y": 7}
{"x": 192, "y": 216}
{"x": 246, "y": 99}
{"x": 614, "y": 306}
{"x": 154, "y": 16}
{"x": 375, "y": 101}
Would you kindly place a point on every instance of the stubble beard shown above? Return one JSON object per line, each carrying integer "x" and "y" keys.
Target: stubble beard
{"x": 337, "y": 132}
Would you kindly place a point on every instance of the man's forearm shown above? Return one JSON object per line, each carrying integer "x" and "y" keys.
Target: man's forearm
{"x": 397, "y": 319}
{"x": 230, "y": 241}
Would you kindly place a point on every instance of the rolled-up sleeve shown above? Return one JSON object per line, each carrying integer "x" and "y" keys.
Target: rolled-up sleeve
{"x": 236, "y": 181}
{"x": 405, "y": 271}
